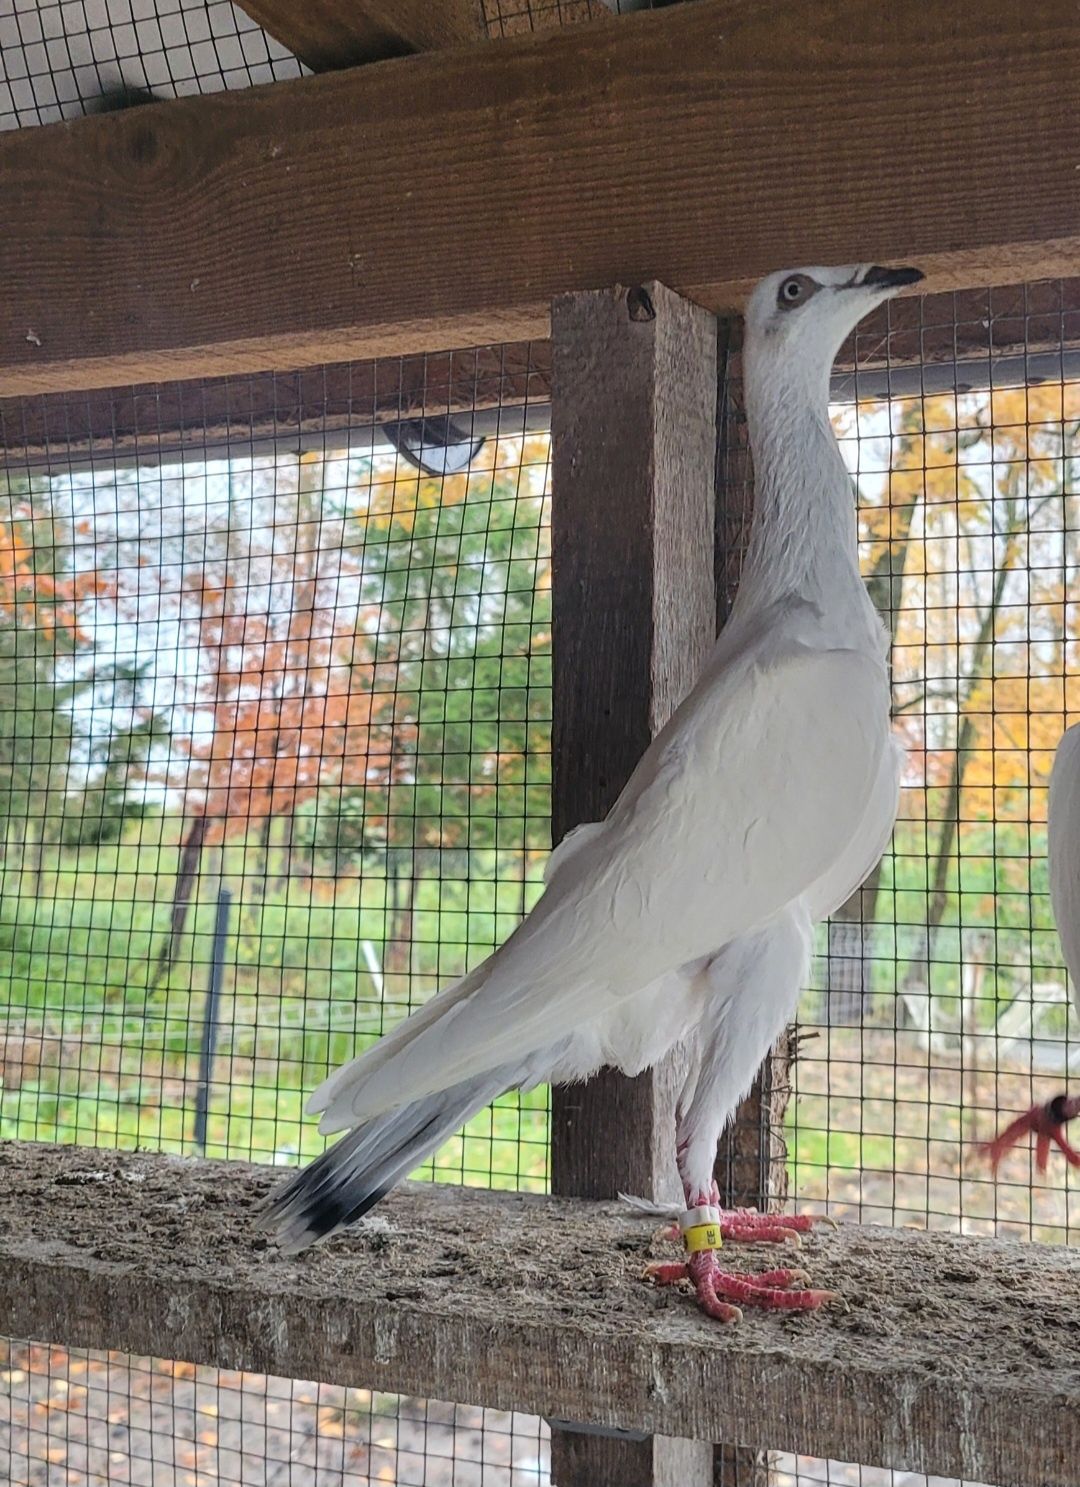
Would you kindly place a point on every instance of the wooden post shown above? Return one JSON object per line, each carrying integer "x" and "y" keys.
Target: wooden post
{"x": 634, "y": 601}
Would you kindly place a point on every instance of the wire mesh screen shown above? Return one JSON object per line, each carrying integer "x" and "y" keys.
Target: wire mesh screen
{"x": 81, "y": 1417}
{"x": 103, "y": 1417}
{"x": 939, "y": 1004}
{"x": 61, "y": 60}
{"x": 274, "y": 763}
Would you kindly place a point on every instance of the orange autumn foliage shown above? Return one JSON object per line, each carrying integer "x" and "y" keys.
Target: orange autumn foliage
{"x": 281, "y": 715}
{"x": 30, "y": 595}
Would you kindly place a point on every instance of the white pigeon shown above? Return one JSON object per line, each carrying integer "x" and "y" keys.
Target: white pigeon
{"x": 686, "y": 916}
{"x": 1047, "y": 1122}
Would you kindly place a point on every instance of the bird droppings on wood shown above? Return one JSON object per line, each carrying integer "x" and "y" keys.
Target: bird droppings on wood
{"x": 961, "y": 1352}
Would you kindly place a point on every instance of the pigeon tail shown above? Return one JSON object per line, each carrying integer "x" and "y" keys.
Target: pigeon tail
{"x": 352, "y": 1176}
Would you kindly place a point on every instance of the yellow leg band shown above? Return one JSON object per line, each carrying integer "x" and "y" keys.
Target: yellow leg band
{"x": 702, "y": 1236}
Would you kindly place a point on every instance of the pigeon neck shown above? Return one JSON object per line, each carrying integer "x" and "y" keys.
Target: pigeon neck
{"x": 804, "y": 538}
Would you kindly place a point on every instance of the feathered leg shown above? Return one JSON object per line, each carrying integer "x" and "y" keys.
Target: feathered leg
{"x": 752, "y": 988}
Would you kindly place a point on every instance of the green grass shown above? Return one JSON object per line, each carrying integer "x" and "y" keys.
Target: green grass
{"x": 95, "y": 1052}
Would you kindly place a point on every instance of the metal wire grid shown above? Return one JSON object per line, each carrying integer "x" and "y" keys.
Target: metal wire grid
{"x": 939, "y": 1005}
{"x": 75, "y": 1417}
{"x": 106, "y": 1418}
{"x": 511, "y": 17}
{"x": 282, "y": 711}
{"x": 79, "y": 1417}
{"x": 59, "y": 57}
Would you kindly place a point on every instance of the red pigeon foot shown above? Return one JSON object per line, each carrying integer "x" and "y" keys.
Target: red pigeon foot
{"x": 716, "y": 1289}
{"x": 748, "y": 1226}
{"x": 1047, "y": 1124}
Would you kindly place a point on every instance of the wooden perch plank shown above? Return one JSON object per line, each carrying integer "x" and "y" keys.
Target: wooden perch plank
{"x": 445, "y": 199}
{"x": 327, "y": 34}
{"x": 956, "y": 1356}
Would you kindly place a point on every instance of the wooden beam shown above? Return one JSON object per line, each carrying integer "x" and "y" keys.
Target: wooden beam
{"x": 954, "y": 1357}
{"x": 633, "y": 452}
{"x": 330, "y": 34}
{"x": 514, "y": 17}
{"x": 327, "y": 34}
{"x": 445, "y": 199}
{"x": 1018, "y": 329}
{"x": 164, "y": 420}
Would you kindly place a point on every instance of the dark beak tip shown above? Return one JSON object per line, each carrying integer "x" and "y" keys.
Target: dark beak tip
{"x": 881, "y": 277}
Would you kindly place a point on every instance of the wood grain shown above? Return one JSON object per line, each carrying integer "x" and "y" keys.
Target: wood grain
{"x": 327, "y": 34}
{"x": 162, "y": 420}
{"x": 955, "y": 1356}
{"x": 445, "y": 199}
{"x": 1019, "y": 327}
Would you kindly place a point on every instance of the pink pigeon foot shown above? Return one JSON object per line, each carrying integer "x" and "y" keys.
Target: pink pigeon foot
{"x": 748, "y": 1226}
{"x": 1047, "y": 1124}
{"x": 717, "y": 1289}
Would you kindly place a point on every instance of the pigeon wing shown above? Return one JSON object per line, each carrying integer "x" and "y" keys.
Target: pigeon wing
{"x": 747, "y": 798}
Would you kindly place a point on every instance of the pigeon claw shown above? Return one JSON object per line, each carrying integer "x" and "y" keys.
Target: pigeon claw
{"x": 717, "y": 1290}
{"x": 1047, "y": 1124}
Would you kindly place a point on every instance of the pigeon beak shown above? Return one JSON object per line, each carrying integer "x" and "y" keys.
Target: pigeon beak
{"x": 889, "y": 278}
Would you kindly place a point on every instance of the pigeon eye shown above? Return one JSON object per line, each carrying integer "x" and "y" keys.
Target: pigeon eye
{"x": 791, "y": 291}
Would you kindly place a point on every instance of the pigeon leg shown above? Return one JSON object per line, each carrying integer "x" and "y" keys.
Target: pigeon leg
{"x": 744, "y": 1225}
{"x": 1047, "y": 1124}
{"x": 717, "y": 1289}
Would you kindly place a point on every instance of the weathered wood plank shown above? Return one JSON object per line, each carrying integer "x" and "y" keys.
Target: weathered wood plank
{"x": 1023, "y": 331}
{"x": 955, "y": 1356}
{"x": 327, "y": 34}
{"x": 514, "y": 17}
{"x": 160, "y": 420}
{"x": 443, "y": 200}
{"x": 633, "y": 441}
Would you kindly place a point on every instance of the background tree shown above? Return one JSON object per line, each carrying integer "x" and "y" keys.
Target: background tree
{"x": 42, "y": 645}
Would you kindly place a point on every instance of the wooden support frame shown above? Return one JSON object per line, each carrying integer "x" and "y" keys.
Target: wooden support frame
{"x": 327, "y": 34}
{"x": 934, "y": 342}
{"x": 956, "y": 1349}
{"x": 633, "y": 440}
{"x": 165, "y": 420}
{"x": 442, "y": 200}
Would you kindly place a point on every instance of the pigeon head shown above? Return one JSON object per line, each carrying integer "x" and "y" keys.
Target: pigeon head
{"x": 801, "y": 317}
